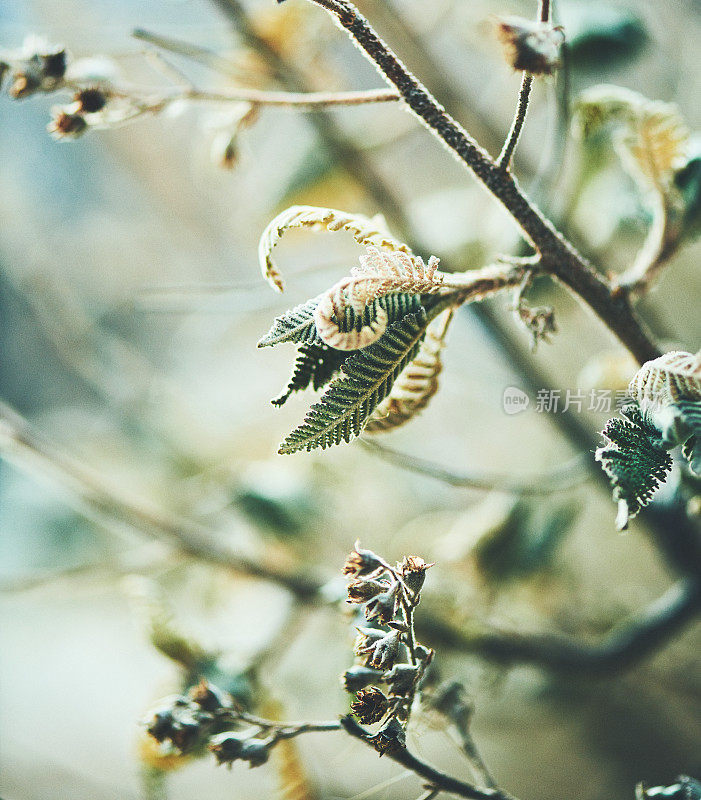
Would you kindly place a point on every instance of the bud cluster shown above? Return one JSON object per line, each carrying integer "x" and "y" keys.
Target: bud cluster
{"x": 204, "y": 718}
{"x": 386, "y": 649}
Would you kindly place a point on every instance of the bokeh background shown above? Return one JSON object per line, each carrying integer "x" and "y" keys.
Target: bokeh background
{"x": 130, "y": 308}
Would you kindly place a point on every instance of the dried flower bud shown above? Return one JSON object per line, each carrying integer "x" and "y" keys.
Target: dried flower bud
{"x": 383, "y": 652}
{"x": 53, "y": 63}
{"x": 90, "y": 100}
{"x": 390, "y": 738}
{"x": 180, "y": 721}
{"x": 361, "y": 562}
{"x": 401, "y": 678}
{"x": 424, "y": 654}
{"x": 358, "y": 677}
{"x": 38, "y": 67}
{"x": 66, "y": 126}
{"x": 255, "y": 752}
{"x": 22, "y": 85}
{"x": 226, "y": 747}
{"x": 361, "y": 590}
{"x": 529, "y": 46}
{"x": 366, "y": 637}
{"x": 383, "y": 606}
{"x": 370, "y": 705}
{"x": 209, "y": 697}
{"x": 413, "y": 571}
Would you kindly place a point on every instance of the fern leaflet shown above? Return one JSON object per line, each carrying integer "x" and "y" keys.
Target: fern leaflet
{"x": 366, "y": 379}
{"x": 315, "y": 364}
{"x": 634, "y": 460}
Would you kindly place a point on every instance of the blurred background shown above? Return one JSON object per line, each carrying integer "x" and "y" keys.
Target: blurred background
{"x": 138, "y": 409}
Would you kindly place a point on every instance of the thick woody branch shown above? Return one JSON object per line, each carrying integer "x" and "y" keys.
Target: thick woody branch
{"x": 627, "y": 644}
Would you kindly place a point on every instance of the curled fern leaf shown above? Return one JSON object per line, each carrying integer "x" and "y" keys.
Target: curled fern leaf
{"x": 672, "y": 377}
{"x": 298, "y": 324}
{"x": 366, "y": 379}
{"x": 416, "y": 384}
{"x": 316, "y": 365}
{"x": 635, "y": 461}
{"x": 365, "y": 230}
{"x": 380, "y": 273}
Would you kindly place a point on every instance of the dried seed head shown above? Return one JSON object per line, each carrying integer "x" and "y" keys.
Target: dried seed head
{"x": 360, "y": 590}
{"x": 529, "y": 46}
{"x": 390, "y": 738}
{"x": 383, "y": 652}
{"x": 424, "y": 654}
{"x": 413, "y": 571}
{"x": 53, "y": 63}
{"x": 382, "y": 607}
{"x": 401, "y": 678}
{"x": 255, "y": 752}
{"x": 37, "y": 67}
{"x": 357, "y": 678}
{"x": 209, "y": 697}
{"x": 370, "y": 705}
{"x": 361, "y": 562}
{"x": 66, "y": 126}
{"x": 90, "y": 100}
{"x": 181, "y": 722}
{"x": 226, "y": 747}
{"x": 22, "y": 85}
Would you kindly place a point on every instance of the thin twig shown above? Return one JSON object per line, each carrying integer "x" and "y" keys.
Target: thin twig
{"x": 439, "y": 779}
{"x": 660, "y": 245}
{"x": 29, "y": 450}
{"x": 561, "y": 479}
{"x": 303, "y": 100}
{"x": 504, "y": 160}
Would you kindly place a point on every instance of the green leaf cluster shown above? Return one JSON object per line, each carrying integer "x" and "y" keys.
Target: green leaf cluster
{"x": 357, "y": 381}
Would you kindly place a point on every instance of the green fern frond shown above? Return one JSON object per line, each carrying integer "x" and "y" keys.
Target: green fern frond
{"x": 634, "y": 461}
{"x": 691, "y": 449}
{"x": 366, "y": 379}
{"x": 315, "y": 364}
{"x": 297, "y": 325}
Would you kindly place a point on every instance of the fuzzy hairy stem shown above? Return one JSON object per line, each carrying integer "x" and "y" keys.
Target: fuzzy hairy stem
{"x": 559, "y": 256}
{"x": 504, "y": 160}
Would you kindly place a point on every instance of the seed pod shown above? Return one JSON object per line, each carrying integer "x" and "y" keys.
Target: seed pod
{"x": 529, "y": 46}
